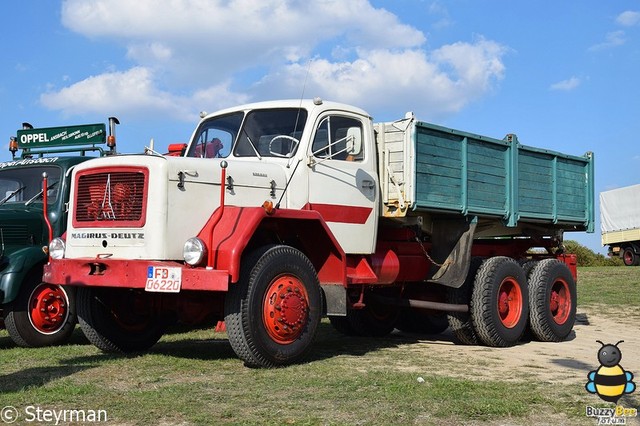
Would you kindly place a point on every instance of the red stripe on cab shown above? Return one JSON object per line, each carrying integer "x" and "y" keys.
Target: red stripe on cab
{"x": 340, "y": 213}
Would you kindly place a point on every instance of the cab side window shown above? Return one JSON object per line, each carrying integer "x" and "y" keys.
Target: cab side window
{"x": 338, "y": 138}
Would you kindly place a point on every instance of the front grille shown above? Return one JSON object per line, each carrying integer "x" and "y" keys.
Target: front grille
{"x": 110, "y": 198}
{"x": 16, "y": 234}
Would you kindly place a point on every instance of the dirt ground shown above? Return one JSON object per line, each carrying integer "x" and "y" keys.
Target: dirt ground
{"x": 564, "y": 366}
{"x": 569, "y": 361}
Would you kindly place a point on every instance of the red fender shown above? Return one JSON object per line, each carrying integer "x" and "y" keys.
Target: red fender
{"x": 234, "y": 230}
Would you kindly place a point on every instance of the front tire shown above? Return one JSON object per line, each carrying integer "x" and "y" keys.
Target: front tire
{"x": 500, "y": 302}
{"x": 118, "y": 320}
{"x": 273, "y": 312}
{"x": 42, "y": 314}
{"x": 552, "y": 305}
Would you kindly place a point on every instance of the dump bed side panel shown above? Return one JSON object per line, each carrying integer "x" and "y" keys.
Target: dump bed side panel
{"x": 468, "y": 174}
{"x": 554, "y": 187}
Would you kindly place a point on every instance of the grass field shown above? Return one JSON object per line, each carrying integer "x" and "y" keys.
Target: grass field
{"x": 194, "y": 378}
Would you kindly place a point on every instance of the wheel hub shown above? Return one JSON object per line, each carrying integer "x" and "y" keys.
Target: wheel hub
{"x": 286, "y": 309}
{"x": 509, "y": 303}
{"x": 560, "y": 302}
{"x": 48, "y": 308}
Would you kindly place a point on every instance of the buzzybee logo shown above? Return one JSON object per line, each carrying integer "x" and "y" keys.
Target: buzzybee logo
{"x": 610, "y": 381}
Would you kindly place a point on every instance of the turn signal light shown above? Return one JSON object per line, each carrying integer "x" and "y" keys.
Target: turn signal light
{"x": 268, "y": 207}
{"x": 13, "y": 145}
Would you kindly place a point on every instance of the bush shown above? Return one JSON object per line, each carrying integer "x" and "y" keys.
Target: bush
{"x": 587, "y": 257}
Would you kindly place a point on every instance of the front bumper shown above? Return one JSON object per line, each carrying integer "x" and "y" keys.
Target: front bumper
{"x": 132, "y": 274}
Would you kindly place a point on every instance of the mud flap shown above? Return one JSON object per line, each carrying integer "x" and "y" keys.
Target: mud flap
{"x": 335, "y": 297}
{"x": 451, "y": 242}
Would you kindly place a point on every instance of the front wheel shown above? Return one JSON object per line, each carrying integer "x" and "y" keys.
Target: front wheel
{"x": 273, "y": 312}
{"x": 42, "y": 314}
{"x": 118, "y": 320}
{"x": 552, "y": 292}
{"x": 500, "y": 302}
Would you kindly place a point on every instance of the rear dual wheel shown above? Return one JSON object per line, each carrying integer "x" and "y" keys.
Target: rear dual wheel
{"x": 499, "y": 302}
{"x": 629, "y": 257}
{"x": 460, "y": 322}
{"x": 553, "y": 297}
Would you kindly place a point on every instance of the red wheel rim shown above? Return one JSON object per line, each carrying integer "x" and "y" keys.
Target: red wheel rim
{"x": 509, "y": 302}
{"x": 560, "y": 301}
{"x": 628, "y": 257}
{"x": 285, "y": 309}
{"x": 48, "y": 308}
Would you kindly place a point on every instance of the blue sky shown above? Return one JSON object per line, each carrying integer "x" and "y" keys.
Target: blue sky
{"x": 561, "y": 75}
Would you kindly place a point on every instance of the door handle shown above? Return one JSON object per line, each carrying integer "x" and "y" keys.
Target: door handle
{"x": 368, "y": 184}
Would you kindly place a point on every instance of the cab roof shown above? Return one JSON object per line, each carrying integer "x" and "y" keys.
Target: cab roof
{"x": 308, "y": 104}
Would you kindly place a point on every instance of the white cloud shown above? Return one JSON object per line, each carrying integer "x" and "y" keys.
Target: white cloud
{"x": 218, "y": 53}
{"x": 435, "y": 85}
{"x": 440, "y": 11}
{"x": 202, "y": 40}
{"x": 133, "y": 93}
{"x": 628, "y": 18}
{"x": 566, "y": 85}
{"x": 612, "y": 39}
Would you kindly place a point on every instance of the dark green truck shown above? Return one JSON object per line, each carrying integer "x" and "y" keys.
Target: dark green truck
{"x": 35, "y": 313}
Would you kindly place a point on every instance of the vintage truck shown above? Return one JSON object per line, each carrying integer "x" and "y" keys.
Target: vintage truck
{"x": 281, "y": 212}
{"x": 35, "y": 313}
{"x": 620, "y": 223}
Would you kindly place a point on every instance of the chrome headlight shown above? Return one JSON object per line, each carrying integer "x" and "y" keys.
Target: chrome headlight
{"x": 57, "y": 248}
{"x": 194, "y": 251}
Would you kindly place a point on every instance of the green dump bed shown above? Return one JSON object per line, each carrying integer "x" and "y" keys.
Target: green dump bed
{"x": 429, "y": 168}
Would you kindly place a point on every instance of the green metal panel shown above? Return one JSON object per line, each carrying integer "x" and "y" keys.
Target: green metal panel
{"x": 477, "y": 175}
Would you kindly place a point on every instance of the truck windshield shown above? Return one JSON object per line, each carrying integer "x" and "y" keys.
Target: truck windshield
{"x": 215, "y": 136}
{"x": 271, "y": 133}
{"x": 260, "y": 133}
{"x": 20, "y": 185}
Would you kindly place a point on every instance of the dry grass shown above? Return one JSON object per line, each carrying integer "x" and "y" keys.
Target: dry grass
{"x": 194, "y": 378}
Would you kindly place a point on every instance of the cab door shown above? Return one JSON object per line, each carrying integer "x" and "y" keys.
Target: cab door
{"x": 343, "y": 184}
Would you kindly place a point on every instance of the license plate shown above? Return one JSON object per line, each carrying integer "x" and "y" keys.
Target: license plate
{"x": 163, "y": 280}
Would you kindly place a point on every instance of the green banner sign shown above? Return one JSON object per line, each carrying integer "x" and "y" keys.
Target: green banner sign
{"x": 85, "y": 134}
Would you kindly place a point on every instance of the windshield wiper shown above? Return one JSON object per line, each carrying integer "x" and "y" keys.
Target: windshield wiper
{"x": 10, "y": 196}
{"x": 39, "y": 194}
{"x": 251, "y": 143}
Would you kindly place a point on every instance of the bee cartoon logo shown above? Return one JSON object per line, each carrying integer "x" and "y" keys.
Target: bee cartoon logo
{"x": 610, "y": 381}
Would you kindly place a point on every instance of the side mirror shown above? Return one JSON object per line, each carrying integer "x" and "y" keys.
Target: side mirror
{"x": 354, "y": 141}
